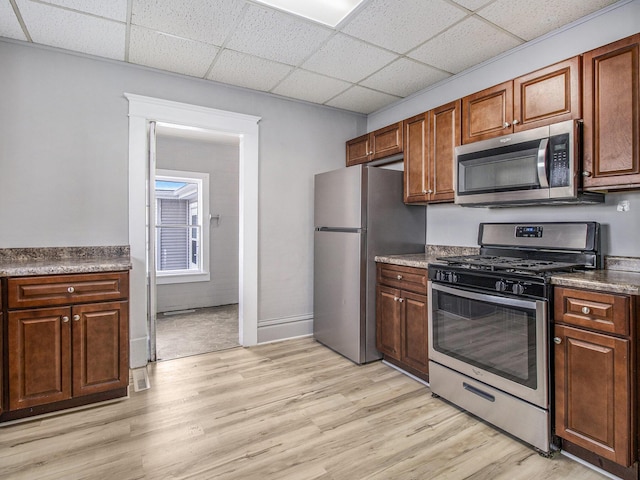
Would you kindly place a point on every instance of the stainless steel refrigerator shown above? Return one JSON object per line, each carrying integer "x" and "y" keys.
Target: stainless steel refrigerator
{"x": 359, "y": 213}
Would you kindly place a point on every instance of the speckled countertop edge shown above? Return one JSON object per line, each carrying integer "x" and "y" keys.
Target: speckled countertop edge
{"x": 20, "y": 262}
{"x": 621, "y": 275}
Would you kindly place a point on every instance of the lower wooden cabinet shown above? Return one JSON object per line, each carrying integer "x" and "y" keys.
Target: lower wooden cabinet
{"x": 401, "y": 318}
{"x": 63, "y": 355}
{"x": 596, "y": 377}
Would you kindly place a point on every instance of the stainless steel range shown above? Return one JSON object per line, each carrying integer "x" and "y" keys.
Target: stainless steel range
{"x": 489, "y": 322}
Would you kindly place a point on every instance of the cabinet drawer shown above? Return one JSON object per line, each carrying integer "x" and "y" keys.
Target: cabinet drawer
{"x": 600, "y": 311}
{"x": 405, "y": 278}
{"x": 54, "y": 290}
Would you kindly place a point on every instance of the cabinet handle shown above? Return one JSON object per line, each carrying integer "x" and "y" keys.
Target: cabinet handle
{"x": 429, "y": 192}
{"x": 424, "y": 192}
{"x": 586, "y": 310}
{"x": 557, "y": 340}
{"x": 506, "y": 125}
{"x": 65, "y": 319}
{"x": 76, "y": 318}
{"x": 71, "y": 289}
{"x": 586, "y": 174}
{"x": 395, "y": 299}
{"x": 401, "y": 300}
{"x": 515, "y": 122}
{"x": 399, "y": 277}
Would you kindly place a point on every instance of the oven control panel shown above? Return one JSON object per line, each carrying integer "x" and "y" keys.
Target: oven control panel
{"x": 490, "y": 282}
{"x": 531, "y": 231}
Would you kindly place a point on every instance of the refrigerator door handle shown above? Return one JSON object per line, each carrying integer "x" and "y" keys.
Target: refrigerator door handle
{"x": 338, "y": 229}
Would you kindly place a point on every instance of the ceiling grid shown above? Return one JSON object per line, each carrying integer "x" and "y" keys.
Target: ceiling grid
{"x": 381, "y": 52}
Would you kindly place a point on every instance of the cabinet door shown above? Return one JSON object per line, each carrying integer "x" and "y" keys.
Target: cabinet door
{"x": 547, "y": 96}
{"x": 100, "y": 347}
{"x": 414, "y": 331}
{"x": 386, "y": 141}
{"x": 416, "y": 159}
{"x": 358, "y": 150}
{"x": 444, "y": 133}
{"x": 39, "y": 357}
{"x": 488, "y": 113}
{"x": 388, "y": 321}
{"x": 612, "y": 115}
{"x": 593, "y": 392}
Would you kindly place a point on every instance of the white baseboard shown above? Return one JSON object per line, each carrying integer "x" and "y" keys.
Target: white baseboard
{"x": 274, "y": 330}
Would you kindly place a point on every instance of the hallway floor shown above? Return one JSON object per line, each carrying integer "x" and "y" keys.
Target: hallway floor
{"x": 206, "y": 330}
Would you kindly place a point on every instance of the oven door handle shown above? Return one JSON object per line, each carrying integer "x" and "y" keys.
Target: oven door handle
{"x": 485, "y": 297}
{"x": 542, "y": 163}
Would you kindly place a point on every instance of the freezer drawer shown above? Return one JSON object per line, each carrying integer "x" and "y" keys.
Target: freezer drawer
{"x": 338, "y": 296}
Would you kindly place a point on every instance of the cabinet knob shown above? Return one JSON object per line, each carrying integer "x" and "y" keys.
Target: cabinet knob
{"x": 557, "y": 340}
{"x": 424, "y": 192}
{"x": 71, "y": 289}
{"x": 586, "y": 174}
{"x": 586, "y": 310}
{"x": 399, "y": 277}
{"x": 76, "y": 318}
{"x": 429, "y": 192}
{"x": 401, "y": 300}
{"x": 515, "y": 122}
{"x": 65, "y": 319}
{"x": 395, "y": 299}
{"x": 506, "y": 125}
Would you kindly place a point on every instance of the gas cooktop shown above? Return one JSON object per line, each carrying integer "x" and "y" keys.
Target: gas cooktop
{"x": 509, "y": 264}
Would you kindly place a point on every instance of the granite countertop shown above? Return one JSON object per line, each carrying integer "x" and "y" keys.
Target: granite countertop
{"x": 21, "y": 262}
{"x": 621, "y": 274}
{"x": 613, "y": 281}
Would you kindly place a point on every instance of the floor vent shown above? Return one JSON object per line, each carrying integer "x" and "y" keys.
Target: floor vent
{"x": 140, "y": 379}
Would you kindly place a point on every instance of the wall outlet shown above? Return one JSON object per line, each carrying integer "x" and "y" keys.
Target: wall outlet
{"x": 623, "y": 206}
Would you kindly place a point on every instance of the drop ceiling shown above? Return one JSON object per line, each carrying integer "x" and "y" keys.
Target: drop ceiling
{"x": 382, "y": 52}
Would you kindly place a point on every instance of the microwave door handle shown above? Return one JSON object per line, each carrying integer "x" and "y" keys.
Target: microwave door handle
{"x": 542, "y": 163}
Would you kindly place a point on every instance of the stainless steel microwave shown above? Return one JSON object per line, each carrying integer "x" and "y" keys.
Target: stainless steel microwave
{"x": 534, "y": 167}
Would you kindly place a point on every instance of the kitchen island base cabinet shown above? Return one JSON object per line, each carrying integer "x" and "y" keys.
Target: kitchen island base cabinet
{"x": 65, "y": 356}
{"x": 401, "y": 318}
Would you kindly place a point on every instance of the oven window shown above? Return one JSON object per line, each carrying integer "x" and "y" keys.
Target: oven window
{"x": 497, "y": 338}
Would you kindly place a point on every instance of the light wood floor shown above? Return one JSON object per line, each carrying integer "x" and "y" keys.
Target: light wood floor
{"x": 288, "y": 411}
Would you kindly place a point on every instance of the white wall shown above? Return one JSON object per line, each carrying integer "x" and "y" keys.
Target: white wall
{"x": 455, "y": 225}
{"x": 64, "y": 161}
{"x": 221, "y": 162}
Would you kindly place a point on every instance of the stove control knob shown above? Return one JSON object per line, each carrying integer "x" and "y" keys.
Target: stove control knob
{"x": 517, "y": 288}
{"x": 501, "y": 285}
{"x": 439, "y": 275}
{"x": 453, "y": 278}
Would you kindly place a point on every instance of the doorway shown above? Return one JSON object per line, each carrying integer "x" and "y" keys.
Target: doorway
{"x": 194, "y": 227}
{"x": 142, "y": 111}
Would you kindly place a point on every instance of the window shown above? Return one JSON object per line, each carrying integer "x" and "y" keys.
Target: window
{"x": 182, "y": 226}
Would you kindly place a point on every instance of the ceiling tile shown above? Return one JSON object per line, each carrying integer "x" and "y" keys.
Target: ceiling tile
{"x": 404, "y": 77}
{"x": 201, "y": 20}
{"x": 244, "y": 70}
{"x": 113, "y": 9}
{"x": 277, "y": 36}
{"x": 472, "y": 5}
{"x": 74, "y": 31}
{"x": 363, "y": 100}
{"x": 310, "y": 86}
{"x": 166, "y": 52}
{"x": 401, "y": 28}
{"x": 9, "y": 25}
{"x": 348, "y": 59}
{"x": 529, "y": 20}
{"x": 468, "y": 43}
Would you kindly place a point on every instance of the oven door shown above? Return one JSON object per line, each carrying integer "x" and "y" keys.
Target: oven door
{"x": 500, "y": 341}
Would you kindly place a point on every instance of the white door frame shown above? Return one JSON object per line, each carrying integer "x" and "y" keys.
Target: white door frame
{"x": 142, "y": 110}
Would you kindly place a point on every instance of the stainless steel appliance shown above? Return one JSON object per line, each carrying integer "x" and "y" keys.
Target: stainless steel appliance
{"x": 537, "y": 166}
{"x": 489, "y": 322}
{"x": 359, "y": 213}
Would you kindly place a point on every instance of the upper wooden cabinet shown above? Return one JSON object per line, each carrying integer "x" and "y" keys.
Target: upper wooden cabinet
{"x": 429, "y": 154}
{"x": 546, "y": 96}
{"x": 612, "y": 116}
{"x": 381, "y": 143}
